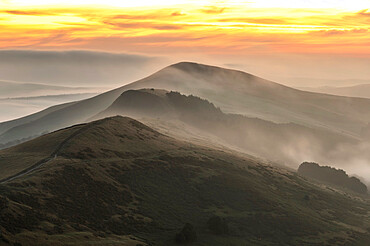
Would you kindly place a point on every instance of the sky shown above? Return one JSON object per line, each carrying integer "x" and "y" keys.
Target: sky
{"x": 321, "y": 39}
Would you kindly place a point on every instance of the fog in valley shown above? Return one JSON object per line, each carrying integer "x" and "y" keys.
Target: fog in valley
{"x": 258, "y": 117}
{"x": 75, "y": 68}
{"x": 32, "y": 80}
{"x": 65, "y": 76}
{"x": 281, "y": 143}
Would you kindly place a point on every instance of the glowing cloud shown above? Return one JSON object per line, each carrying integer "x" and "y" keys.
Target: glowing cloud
{"x": 184, "y": 26}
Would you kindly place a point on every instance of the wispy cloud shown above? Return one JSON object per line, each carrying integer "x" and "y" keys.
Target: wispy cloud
{"x": 213, "y": 10}
{"x": 29, "y": 12}
{"x": 277, "y": 20}
{"x": 364, "y": 12}
{"x": 336, "y": 32}
{"x": 230, "y": 28}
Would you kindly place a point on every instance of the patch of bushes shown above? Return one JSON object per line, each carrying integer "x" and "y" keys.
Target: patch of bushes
{"x": 186, "y": 235}
{"x": 218, "y": 225}
{"x": 3, "y": 203}
{"x": 331, "y": 175}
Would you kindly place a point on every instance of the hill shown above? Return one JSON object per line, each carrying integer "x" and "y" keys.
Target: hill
{"x": 362, "y": 90}
{"x": 118, "y": 182}
{"x": 331, "y": 175}
{"x": 12, "y": 108}
{"x": 233, "y": 91}
{"x": 158, "y": 108}
{"x": 14, "y": 89}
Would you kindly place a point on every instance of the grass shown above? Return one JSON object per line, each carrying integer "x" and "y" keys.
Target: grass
{"x": 138, "y": 182}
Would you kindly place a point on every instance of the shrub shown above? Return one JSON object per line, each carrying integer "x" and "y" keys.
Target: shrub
{"x": 186, "y": 235}
{"x": 331, "y": 175}
{"x": 3, "y": 202}
{"x": 218, "y": 225}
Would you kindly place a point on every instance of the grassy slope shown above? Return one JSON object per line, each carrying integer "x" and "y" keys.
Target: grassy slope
{"x": 118, "y": 178}
{"x": 17, "y": 158}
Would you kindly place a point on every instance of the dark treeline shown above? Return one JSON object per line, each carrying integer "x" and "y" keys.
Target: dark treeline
{"x": 331, "y": 175}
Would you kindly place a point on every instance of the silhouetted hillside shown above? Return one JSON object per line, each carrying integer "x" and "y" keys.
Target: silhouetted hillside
{"x": 118, "y": 182}
{"x": 332, "y": 176}
{"x": 233, "y": 91}
{"x": 161, "y": 103}
{"x": 253, "y": 135}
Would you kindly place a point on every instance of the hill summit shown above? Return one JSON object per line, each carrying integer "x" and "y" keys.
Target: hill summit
{"x": 231, "y": 90}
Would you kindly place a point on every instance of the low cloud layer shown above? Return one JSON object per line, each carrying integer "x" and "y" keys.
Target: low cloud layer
{"x": 75, "y": 68}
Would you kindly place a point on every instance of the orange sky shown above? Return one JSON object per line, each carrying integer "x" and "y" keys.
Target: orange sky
{"x": 210, "y": 27}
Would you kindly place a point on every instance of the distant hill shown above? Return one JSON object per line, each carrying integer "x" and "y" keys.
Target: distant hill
{"x": 362, "y": 90}
{"x": 319, "y": 82}
{"x": 17, "y": 89}
{"x": 332, "y": 176}
{"x": 20, "y": 99}
{"x": 255, "y": 136}
{"x": 12, "y": 108}
{"x": 233, "y": 91}
{"x": 116, "y": 181}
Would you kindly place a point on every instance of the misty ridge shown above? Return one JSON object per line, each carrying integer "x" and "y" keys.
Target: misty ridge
{"x": 23, "y": 98}
{"x": 268, "y": 119}
{"x": 192, "y": 154}
{"x": 359, "y": 90}
{"x": 252, "y": 134}
{"x": 67, "y": 75}
{"x": 287, "y": 144}
{"x": 194, "y": 123}
{"x": 38, "y": 73}
{"x": 18, "y": 90}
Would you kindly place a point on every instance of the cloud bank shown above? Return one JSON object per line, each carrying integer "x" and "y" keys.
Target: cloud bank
{"x": 75, "y": 68}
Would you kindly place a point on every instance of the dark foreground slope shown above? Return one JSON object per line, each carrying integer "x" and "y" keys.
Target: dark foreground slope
{"x": 118, "y": 182}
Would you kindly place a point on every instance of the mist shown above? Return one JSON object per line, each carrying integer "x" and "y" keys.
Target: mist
{"x": 306, "y": 70}
{"x": 189, "y": 117}
{"x": 32, "y": 80}
{"x": 245, "y": 94}
{"x": 76, "y": 67}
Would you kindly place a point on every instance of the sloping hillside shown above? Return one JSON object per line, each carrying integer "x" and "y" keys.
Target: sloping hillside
{"x": 252, "y": 135}
{"x": 361, "y": 90}
{"x": 118, "y": 182}
{"x": 242, "y": 93}
{"x": 13, "y": 108}
{"x": 232, "y": 91}
{"x": 5, "y": 126}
